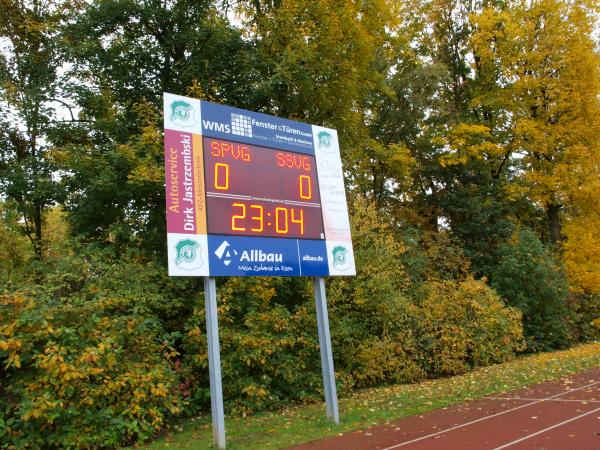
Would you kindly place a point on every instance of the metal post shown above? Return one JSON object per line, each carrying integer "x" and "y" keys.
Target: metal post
{"x": 331, "y": 402}
{"x": 214, "y": 362}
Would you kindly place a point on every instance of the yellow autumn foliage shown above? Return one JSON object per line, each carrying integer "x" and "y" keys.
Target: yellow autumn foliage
{"x": 65, "y": 374}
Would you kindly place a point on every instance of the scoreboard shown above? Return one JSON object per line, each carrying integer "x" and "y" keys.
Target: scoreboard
{"x": 252, "y": 194}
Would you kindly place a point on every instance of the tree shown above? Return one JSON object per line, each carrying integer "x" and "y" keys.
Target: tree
{"x": 12, "y": 244}
{"x": 322, "y": 60}
{"x": 29, "y": 90}
{"x": 129, "y": 52}
{"x": 530, "y": 279}
{"x": 544, "y": 70}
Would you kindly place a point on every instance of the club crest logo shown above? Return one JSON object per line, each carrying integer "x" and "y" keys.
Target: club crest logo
{"x": 182, "y": 114}
{"x": 340, "y": 258}
{"x": 188, "y": 255}
{"x": 325, "y": 141}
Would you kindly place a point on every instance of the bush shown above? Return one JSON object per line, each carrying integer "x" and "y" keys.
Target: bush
{"x": 529, "y": 278}
{"x": 269, "y": 346}
{"x": 584, "y": 310}
{"x": 464, "y": 325}
{"x": 75, "y": 377}
{"x": 371, "y": 310}
{"x": 387, "y": 328}
{"x": 104, "y": 347}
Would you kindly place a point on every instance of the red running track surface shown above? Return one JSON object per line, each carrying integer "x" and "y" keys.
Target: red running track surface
{"x": 556, "y": 415}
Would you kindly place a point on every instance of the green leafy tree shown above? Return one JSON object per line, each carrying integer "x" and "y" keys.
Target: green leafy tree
{"x": 30, "y": 89}
{"x": 13, "y": 245}
{"x": 320, "y": 62}
{"x": 130, "y": 52}
{"x": 529, "y": 278}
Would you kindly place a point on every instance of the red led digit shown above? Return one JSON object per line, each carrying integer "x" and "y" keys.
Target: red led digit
{"x": 305, "y": 188}
{"x": 299, "y": 220}
{"x": 225, "y": 186}
{"x": 280, "y": 159}
{"x": 236, "y": 217}
{"x": 278, "y": 222}
{"x": 259, "y": 218}
{"x": 215, "y": 148}
{"x": 305, "y": 163}
{"x": 245, "y": 152}
{"x": 292, "y": 161}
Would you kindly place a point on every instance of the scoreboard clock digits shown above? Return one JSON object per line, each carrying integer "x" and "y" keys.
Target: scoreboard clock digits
{"x": 255, "y": 191}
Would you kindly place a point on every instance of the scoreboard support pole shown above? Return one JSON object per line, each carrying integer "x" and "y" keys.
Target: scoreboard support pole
{"x": 331, "y": 402}
{"x": 214, "y": 362}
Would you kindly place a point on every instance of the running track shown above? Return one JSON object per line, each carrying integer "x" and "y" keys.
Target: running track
{"x": 562, "y": 414}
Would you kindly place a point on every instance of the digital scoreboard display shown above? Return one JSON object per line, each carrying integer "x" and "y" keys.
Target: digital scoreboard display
{"x": 252, "y": 194}
{"x": 256, "y": 191}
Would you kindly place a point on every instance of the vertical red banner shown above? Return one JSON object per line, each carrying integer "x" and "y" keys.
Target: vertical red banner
{"x": 180, "y": 182}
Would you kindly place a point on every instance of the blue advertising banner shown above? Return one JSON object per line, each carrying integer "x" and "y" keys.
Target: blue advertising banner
{"x": 225, "y": 122}
{"x": 242, "y": 255}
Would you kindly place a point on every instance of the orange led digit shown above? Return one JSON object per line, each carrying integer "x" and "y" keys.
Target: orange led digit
{"x": 278, "y": 229}
{"x": 221, "y": 187}
{"x": 299, "y": 220}
{"x": 259, "y": 218}
{"x": 305, "y": 193}
{"x": 235, "y": 217}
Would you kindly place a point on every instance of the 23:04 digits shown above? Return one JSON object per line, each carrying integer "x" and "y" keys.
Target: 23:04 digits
{"x": 268, "y": 218}
{"x": 280, "y": 220}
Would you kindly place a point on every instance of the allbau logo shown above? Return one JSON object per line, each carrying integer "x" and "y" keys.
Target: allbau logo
{"x": 182, "y": 114}
{"x": 187, "y": 255}
{"x": 225, "y": 252}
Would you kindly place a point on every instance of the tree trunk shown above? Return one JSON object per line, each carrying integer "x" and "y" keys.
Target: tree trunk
{"x": 553, "y": 212}
{"x": 37, "y": 221}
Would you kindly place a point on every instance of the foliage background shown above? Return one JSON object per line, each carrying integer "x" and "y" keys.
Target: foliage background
{"x": 469, "y": 141}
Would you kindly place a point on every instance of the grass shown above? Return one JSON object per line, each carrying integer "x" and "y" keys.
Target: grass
{"x": 290, "y": 426}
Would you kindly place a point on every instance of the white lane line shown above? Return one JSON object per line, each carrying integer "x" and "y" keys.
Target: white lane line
{"x": 543, "y": 399}
{"x": 488, "y": 417}
{"x": 560, "y": 424}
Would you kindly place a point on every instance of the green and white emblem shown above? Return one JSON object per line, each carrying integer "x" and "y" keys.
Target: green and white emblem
{"x": 340, "y": 258}
{"x": 182, "y": 114}
{"x": 188, "y": 255}
{"x": 325, "y": 141}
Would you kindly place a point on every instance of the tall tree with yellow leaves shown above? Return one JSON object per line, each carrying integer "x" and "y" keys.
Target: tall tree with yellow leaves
{"x": 543, "y": 71}
{"x": 547, "y": 80}
{"x": 321, "y": 60}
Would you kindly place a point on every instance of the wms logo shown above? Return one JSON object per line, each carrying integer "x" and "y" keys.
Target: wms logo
{"x": 241, "y": 125}
{"x": 224, "y": 254}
